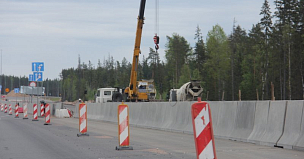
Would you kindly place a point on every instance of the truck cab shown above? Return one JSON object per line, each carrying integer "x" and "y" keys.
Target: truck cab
{"x": 104, "y": 95}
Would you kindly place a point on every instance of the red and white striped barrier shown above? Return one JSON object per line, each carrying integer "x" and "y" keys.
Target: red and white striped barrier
{"x": 83, "y": 122}
{"x": 10, "y": 110}
{"x": 25, "y": 111}
{"x": 123, "y": 128}
{"x": 70, "y": 113}
{"x": 42, "y": 110}
{"x": 47, "y": 115}
{"x": 202, "y": 130}
{"x": 2, "y": 107}
{"x": 16, "y": 111}
{"x": 35, "y": 112}
{"x": 5, "y": 108}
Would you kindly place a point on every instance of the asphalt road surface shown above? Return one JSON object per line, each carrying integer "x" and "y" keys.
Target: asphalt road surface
{"x": 26, "y": 139}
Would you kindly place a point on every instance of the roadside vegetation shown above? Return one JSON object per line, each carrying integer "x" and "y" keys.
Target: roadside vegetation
{"x": 270, "y": 54}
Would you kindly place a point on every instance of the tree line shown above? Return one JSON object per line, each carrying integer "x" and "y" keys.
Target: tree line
{"x": 52, "y": 86}
{"x": 269, "y": 55}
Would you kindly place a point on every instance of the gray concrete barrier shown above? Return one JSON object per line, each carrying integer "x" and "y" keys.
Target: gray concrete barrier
{"x": 260, "y": 122}
{"x": 188, "y": 127}
{"x": 275, "y": 123}
{"x": 151, "y": 115}
{"x": 169, "y": 115}
{"x": 292, "y": 126}
{"x": 76, "y": 110}
{"x": 244, "y": 121}
{"x": 174, "y": 126}
{"x": 181, "y": 117}
{"x": 214, "y": 106}
{"x": 300, "y": 141}
{"x": 226, "y": 119}
{"x": 159, "y": 115}
{"x": 134, "y": 112}
{"x": 93, "y": 111}
{"x": 113, "y": 111}
{"x": 142, "y": 116}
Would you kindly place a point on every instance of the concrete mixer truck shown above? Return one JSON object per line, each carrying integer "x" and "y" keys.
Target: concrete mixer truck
{"x": 187, "y": 92}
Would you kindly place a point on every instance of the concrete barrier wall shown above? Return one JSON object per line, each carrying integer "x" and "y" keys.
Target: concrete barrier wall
{"x": 275, "y": 123}
{"x": 260, "y": 122}
{"x": 226, "y": 119}
{"x": 244, "y": 121}
{"x": 134, "y": 112}
{"x": 182, "y": 118}
{"x": 215, "y": 106}
{"x": 292, "y": 126}
{"x": 300, "y": 141}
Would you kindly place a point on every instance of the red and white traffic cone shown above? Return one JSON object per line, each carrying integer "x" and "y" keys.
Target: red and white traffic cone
{"x": 16, "y": 111}
{"x": 123, "y": 128}
{"x": 10, "y": 111}
{"x": 83, "y": 122}
{"x": 5, "y": 108}
{"x": 41, "y": 110}
{"x": 35, "y": 112}
{"x": 47, "y": 115}
{"x": 2, "y": 107}
{"x": 202, "y": 130}
{"x": 25, "y": 111}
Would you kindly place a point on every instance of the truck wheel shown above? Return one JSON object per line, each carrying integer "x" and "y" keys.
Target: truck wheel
{"x": 117, "y": 97}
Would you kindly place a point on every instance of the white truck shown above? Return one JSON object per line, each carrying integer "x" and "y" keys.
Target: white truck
{"x": 104, "y": 95}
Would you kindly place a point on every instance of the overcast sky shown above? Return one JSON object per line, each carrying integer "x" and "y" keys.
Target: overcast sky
{"x": 57, "y": 31}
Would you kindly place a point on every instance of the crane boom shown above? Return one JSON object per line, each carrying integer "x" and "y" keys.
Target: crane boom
{"x": 132, "y": 92}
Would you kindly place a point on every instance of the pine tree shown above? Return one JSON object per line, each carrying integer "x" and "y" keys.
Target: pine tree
{"x": 237, "y": 40}
{"x": 178, "y": 50}
{"x": 266, "y": 25}
{"x": 199, "y": 51}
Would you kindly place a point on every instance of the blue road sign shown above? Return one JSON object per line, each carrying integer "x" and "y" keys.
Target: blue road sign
{"x": 37, "y": 66}
{"x": 38, "y": 76}
{"x": 31, "y": 77}
{"x": 16, "y": 90}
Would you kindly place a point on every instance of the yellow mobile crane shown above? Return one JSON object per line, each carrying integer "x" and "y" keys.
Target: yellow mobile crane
{"x": 132, "y": 92}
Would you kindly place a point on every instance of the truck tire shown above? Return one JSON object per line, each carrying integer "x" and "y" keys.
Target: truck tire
{"x": 117, "y": 97}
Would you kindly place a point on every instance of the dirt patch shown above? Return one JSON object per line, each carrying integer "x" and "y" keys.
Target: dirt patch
{"x": 13, "y": 94}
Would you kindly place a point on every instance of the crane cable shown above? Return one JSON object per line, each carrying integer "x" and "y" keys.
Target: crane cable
{"x": 156, "y": 37}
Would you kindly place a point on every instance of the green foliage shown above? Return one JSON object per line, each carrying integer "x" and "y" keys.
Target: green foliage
{"x": 185, "y": 77}
{"x": 272, "y": 51}
{"x": 217, "y": 64}
{"x": 177, "y": 53}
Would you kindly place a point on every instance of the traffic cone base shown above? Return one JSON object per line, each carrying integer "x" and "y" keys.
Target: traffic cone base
{"x": 80, "y": 134}
{"x": 124, "y": 148}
